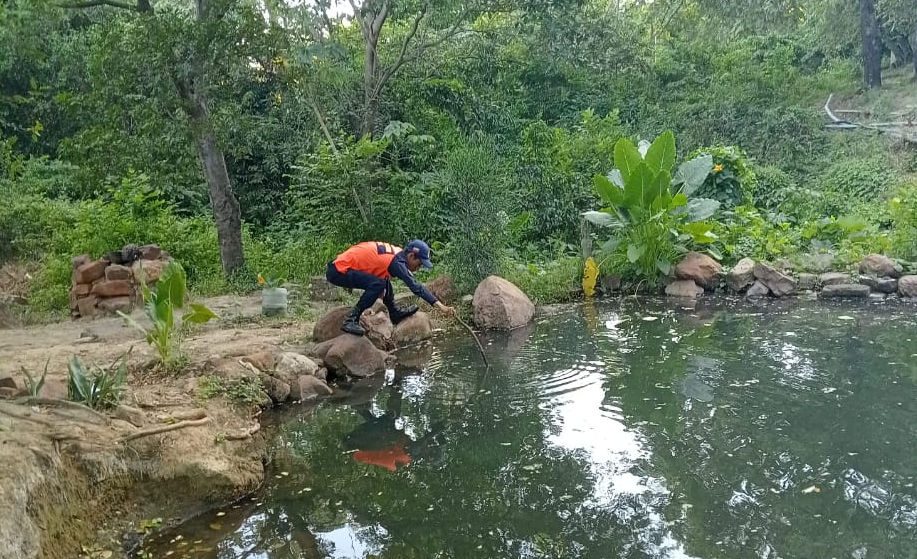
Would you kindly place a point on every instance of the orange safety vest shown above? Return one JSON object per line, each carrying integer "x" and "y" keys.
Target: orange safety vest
{"x": 372, "y": 257}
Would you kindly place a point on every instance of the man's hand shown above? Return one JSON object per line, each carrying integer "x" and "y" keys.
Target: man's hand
{"x": 444, "y": 309}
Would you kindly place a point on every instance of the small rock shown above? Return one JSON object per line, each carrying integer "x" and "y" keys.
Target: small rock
{"x": 467, "y": 299}
{"x": 700, "y": 268}
{"x": 882, "y": 285}
{"x": 81, "y": 290}
{"x": 833, "y": 278}
{"x": 379, "y": 329}
{"x": 8, "y": 393}
{"x": 150, "y": 252}
{"x": 780, "y": 284}
{"x": 291, "y": 366}
{"x": 610, "y": 283}
{"x": 8, "y": 382}
{"x": 443, "y": 288}
{"x": 123, "y": 304}
{"x": 500, "y": 305}
{"x": 844, "y": 290}
{"x": 116, "y": 288}
{"x": 278, "y": 390}
{"x": 308, "y": 387}
{"x": 413, "y": 329}
{"x": 806, "y": 282}
{"x": 741, "y": 275}
{"x": 117, "y": 272}
{"x": 90, "y": 271}
{"x": 133, "y": 416}
{"x": 149, "y": 270}
{"x": 684, "y": 288}
{"x": 264, "y": 361}
{"x": 907, "y": 286}
{"x": 758, "y": 289}
{"x": 877, "y": 296}
{"x": 78, "y": 261}
{"x": 87, "y": 306}
{"x": 880, "y": 266}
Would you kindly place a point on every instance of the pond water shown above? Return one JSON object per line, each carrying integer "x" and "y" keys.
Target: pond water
{"x": 610, "y": 430}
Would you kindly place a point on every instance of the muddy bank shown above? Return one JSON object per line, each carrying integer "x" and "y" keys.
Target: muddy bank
{"x": 74, "y": 482}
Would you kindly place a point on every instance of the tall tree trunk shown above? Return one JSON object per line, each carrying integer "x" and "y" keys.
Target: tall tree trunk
{"x": 225, "y": 206}
{"x": 872, "y": 44}
{"x": 914, "y": 51}
{"x": 370, "y": 104}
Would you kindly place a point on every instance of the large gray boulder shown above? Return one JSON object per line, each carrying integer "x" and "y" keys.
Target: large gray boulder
{"x": 413, "y": 329}
{"x": 741, "y": 275}
{"x": 907, "y": 286}
{"x": 880, "y": 266}
{"x": 779, "y": 283}
{"x": 500, "y": 305}
{"x": 351, "y": 355}
{"x": 844, "y": 290}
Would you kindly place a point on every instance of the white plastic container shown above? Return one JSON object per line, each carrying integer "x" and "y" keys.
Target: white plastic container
{"x": 273, "y": 301}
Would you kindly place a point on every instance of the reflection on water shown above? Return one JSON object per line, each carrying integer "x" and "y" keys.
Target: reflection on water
{"x": 610, "y": 430}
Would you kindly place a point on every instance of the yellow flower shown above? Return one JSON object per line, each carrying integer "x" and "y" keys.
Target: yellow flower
{"x": 717, "y": 168}
{"x": 260, "y": 279}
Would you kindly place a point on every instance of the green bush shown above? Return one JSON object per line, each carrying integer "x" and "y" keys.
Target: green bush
{"x": 773, "y": 187}
{"x": 732, "y": 181}
{"x": 746, "y": 232}
{"x": 903, "y": 209}
{"x": 853, "y": 185}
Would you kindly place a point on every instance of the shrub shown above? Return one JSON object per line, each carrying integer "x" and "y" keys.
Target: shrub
{"x": 98, "y": 388}
{"x": 554, "y": 281}
{"x": 903, "y": 209}
{"x": 731, "y": 182}
{"x": 849, "y": 183}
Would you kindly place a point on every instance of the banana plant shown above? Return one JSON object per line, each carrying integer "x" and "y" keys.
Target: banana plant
{"x": 159, "y": 306}
{"x": 649, "y": 209}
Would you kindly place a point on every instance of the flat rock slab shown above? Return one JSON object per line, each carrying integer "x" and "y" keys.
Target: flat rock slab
{"x": 882, "y": 285}
{"x": 845, "y": 290}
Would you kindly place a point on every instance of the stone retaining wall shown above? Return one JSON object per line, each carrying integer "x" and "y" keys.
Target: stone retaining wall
{"x": 112, "y": 283}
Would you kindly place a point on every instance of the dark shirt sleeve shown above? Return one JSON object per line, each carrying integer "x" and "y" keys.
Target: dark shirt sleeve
{"x": 399, "y": 269}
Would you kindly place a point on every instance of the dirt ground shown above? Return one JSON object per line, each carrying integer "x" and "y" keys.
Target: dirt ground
{"x": 65, "y": 472}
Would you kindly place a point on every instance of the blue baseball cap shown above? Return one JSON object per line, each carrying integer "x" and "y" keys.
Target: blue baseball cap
{"x": 421, "y": 250}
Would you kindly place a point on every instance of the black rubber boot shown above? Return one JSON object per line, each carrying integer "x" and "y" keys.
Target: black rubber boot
{"x": 352, "y": 323}
{"x": 397, "y": 314}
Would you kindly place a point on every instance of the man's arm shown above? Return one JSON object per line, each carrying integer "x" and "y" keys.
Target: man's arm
{"x": 399, "y": 269}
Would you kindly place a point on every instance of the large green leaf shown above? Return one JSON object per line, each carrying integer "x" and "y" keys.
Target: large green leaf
{"x": 627, "y": 158}
{"x": 634, "y": 252}
{"x": 602, "y": 219}
{"x": 609, "y": 193}
{"x": 171, "y": 285}
{"x": 657, "y": 187}
{"x": 692, "y": 174}
{"x": 661, "y": 155}
{"x": 664, "y": 266}
{"x": 199, "y": 314}
{"x": 640, "y": 181}
{"x": 701, "y": 232}
{"x": 701, "y": 208}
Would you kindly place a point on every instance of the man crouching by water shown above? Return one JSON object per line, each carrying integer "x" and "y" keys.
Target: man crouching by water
{"x": 370, "y": 266}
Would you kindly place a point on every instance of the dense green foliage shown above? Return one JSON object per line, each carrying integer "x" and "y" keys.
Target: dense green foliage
{"x": 477, "y": 125}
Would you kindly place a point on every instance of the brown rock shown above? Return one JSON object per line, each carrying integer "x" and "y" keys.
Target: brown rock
{"x": 907, "y": 286}
{"x": 741, "y": 275}
{"x": 112, "y": 304}
{"x": 117, "y": 272}
{"x": 308, "y": 387}
{"x": 264, "y": 361}
{"x": 8, "y": 393}
{"x": 329, "y": 325}
{"x": 684, "y": 288}
{"x": 779, "y": 284}
{"x": 353, "y": 355}
{"x": 149, "y": 270}
{"x": 73, "y": 301}
{"x": 443, "y": 288}
{"x": 700, "y": 268}
{"x": 879, "y": 265}
{"x": 413, "y": 329}
{"x": 90, "y": 271}
{"x": 498, "y": 304}
{"x": 379, "y": 329}
{"x": 8, "y": 382}
{"x": 278, "y": 390}
{"x": 82, "y": 289}
{"x": 87, "y": 306}
{"x": 116, "y": 288}
{"x": 78, "y": 261}
{"x": 150, "y": 252}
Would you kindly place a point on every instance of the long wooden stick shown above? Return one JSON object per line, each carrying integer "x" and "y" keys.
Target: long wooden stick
{"x": 165, "y": 428}
{"x": 475, "y": 336}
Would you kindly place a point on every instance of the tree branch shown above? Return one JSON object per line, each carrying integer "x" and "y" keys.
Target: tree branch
{"x": 94, "y": 3}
